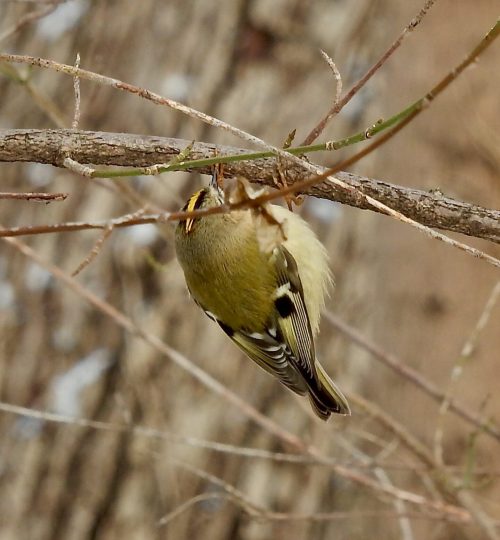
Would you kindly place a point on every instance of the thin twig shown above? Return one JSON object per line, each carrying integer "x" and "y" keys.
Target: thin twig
{"x": 457, "y": 369}
{"x": 430, "y": 208}
{"x": 76, "y": 89}
{"x": 174, "y": 216}
{"x": 337, "y": 76}
{"x": 127, "y": 220}
{"x": 225, "y": 448}
{"x": 186, "y": 505}
{"x": 257, "y": 511}
{"x": 340, "y": 104}
{"x": 208, "y": 381}
{"x": 94, "y": 251}
{"x": 32, "y": 196}
{"x": 235, "y": 494}
{"x": 412, "y": 376}
{"x": 30, "y": 17}
{"x": 409, "y": 113}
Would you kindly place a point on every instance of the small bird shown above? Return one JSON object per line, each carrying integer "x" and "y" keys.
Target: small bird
{"x": 267, "y": 300}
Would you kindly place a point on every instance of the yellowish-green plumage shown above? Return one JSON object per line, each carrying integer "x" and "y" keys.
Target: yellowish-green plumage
{"x": 267, "y": 302}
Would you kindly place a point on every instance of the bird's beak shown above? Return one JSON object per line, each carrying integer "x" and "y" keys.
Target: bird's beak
{"x": 217, "y": 177}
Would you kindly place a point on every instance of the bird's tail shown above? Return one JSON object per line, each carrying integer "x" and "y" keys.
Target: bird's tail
{"x": 327, "y": 398}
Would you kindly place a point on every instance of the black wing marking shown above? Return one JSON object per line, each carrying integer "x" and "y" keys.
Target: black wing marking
{"x": 286, "y": 348}
{"x": 270, "y": 354}
{"x": 265, "y": 349}
{"x": 293, "y": 321}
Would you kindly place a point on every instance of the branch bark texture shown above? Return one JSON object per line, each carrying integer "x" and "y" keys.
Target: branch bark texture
{"x": 430, "y": 208}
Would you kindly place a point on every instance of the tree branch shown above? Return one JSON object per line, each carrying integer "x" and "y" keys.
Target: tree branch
{"x": 429, "y": 208}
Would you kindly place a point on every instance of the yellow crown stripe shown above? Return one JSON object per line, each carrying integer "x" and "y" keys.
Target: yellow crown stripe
{"x": 191, "y": 205}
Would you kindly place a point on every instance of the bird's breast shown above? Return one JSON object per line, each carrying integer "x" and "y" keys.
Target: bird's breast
{"x": 229, "y": 276}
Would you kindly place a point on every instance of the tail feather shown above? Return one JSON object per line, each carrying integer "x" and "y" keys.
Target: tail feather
{"x": 327, "y": 398}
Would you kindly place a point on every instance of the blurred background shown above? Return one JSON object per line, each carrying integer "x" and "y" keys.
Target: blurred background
{"x": 255, "y": 64}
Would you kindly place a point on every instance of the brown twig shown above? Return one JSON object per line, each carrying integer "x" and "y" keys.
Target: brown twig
{"x": 76, "y": 89}
{"x": 412, "y": 376}
{"x": 45, "y": 197}
{"x": 30, "y": 17}
{"x": 341, "y": 103}
{"x": 225, "y": 448}
{"x": 265, "y": 423}
{"x": 336, "y": 75}
{"x": 316, "y": 178}
{"x": 94, "y": 251}
{"x": 427, "y": 207}
{"x": 126, "y": 220}
{"x": 255, "y": 510}
{"x": 457, "y": 370}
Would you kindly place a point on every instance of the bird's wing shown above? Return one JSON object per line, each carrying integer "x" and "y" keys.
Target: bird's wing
{"x": 292, "y": 319}
{"x": 294, "y": 329}
{"x": 286, "y": 348}
{"x": 270, "y": 354}
{"x": 266, "y": 350}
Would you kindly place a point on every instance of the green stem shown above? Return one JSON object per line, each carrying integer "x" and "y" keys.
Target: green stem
{"x": 399, "y": 119}
{"x": 250, "y": 156}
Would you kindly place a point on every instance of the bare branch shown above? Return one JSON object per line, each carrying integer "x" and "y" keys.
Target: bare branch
{"x": 45, "y": 197}
{"x": 76, "y": 89}
{"x": 429, "y": 208}
{"x": 341, "y": 103}
{"x": 285, "y": 436}
{"x": 94, "y": 251}
{"x": 402, "y": 119}
{"x": 30, "y": 17}
{"x": 413, "y": 376}
{"x": 458, "y": 368}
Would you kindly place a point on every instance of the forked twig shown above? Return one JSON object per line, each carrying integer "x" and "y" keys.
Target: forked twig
{"x": 405, "y": 117}
{"x": 30, "y": 17}
{"x": 457, "y": 371}
{"x": 341, "y": 103}
{"x": 412, "y": 376}
{"x": 208, "y": 381}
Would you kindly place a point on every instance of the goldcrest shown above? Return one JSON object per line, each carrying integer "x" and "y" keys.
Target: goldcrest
{"x": 268, "y": 301}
